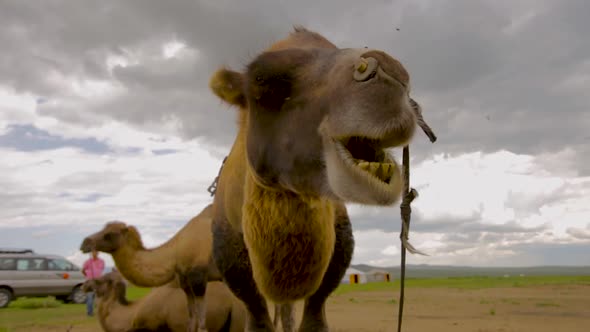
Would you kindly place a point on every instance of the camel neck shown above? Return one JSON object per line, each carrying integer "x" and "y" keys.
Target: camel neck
{"x": 147, "y": 267}
{"x": 283, "y": 226}
{"x": 230, "y": 189}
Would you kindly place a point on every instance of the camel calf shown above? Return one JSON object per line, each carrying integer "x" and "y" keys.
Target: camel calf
{"x": 163, "y": 308}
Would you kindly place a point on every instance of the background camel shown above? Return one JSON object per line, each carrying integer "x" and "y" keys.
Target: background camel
{"x": 163, "y": 308}
{"x": 314, "y": 125}
{"x": 186, "y": 256}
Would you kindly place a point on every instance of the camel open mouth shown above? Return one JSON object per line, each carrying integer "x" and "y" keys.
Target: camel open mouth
{"x": 367, "y": 156}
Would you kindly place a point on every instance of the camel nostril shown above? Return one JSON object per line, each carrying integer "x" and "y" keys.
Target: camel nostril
{"x": 365, "y": 69}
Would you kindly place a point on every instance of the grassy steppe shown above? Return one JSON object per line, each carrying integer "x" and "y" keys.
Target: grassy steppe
{"x": 48, "y": 314}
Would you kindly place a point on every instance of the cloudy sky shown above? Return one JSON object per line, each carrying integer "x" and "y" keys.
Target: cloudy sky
{"x": 105, "y": 114}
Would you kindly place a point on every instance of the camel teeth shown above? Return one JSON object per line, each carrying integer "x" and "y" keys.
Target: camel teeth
{"x": 388, "y": 170}
{"x": 364, "y": 165}
{"x": 383, "y": 171}
{"x": 374, "y": 168}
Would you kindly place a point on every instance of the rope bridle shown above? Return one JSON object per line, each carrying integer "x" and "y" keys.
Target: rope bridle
{"x": 213, "y": 187}
{"x": 406, "y": 210}
{"x": 405, "y": 207}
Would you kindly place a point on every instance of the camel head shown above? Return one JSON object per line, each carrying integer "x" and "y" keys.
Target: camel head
{"x": 319, "y": 120}
{"x": 89, "y": 285}
{"x": 110, "y": 286}
{"x": 113, "y": 236}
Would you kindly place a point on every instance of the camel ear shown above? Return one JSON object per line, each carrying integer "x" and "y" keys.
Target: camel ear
{"x": 228, "y": 85}
{"x": 272, "y": 76}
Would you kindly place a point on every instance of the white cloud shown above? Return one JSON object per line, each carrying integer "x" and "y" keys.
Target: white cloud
{"x": 579, "y": 232}
{"x": 15, "y": 108}
{"x": 495, "y": 185}
{"x": 390, "y": 250}
{"x": 132, "y": 186}
{"x": 479, "y": 207}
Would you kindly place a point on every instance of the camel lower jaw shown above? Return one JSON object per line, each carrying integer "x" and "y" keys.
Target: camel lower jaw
{"x": 359, "y": 181}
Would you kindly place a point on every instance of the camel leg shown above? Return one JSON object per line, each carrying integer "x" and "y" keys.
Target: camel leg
{"x": 194, "y": 284}
{"x": 202, "y": 313}
{"x": 314, "y": 315}
{"x": 287, "y": 313}
{"x": 192, "y": 315}
{"x": 284, "y": 314}
{"x": 231, "y": 258}
{"x": 275, "y": 320}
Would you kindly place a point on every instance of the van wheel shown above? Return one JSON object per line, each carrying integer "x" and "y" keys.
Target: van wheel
{"x": 5, "y": 297}
{"x": 63, "y": 298}
{"x": 78, "y": 296}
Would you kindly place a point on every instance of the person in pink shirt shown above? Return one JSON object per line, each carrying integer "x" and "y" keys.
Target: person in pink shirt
{"x": 92, "y": 269}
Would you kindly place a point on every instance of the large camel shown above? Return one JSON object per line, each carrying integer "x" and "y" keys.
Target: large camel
{"x": 163, "y": 308}
{"x": 186, "y": 256}
{"x": 314, "y": 125}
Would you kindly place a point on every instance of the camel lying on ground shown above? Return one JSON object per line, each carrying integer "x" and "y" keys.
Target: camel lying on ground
{"x": 186, "y": 256}
{"x": 163, "y": 308}
{"x": 314, "y": 125}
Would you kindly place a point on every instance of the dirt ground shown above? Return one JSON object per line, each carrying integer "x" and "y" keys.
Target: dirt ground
{"x": 538, "y": 309}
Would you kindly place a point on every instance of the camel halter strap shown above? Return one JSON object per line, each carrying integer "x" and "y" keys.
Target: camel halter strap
{"x": 406, "y": 210}
{"x": 213, "y": 187}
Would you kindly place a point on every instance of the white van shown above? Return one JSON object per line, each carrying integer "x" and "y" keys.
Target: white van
{"x": 26, "y": 273}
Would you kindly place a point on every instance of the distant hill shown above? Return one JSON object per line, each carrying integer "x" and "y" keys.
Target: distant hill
{"x": 442, "y": 271}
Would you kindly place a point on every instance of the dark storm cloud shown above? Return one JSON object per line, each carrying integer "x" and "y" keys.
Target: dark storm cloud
{"x": 489, "y": 76}
{"x": 486, "y": 88}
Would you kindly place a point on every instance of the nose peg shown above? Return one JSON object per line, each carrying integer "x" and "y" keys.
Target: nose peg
{"x": 365, "y": 69}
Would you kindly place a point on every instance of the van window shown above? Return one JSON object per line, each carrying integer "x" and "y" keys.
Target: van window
{"x": 60, "y": 265}
{"x": 7, "y": 264}
{"x": 31, "y": 264}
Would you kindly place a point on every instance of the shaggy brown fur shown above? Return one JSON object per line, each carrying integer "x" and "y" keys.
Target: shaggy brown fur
{"x": 314, "y": 123}
{"x": 186, "y": 256}
{"x": 163, "y": 308}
